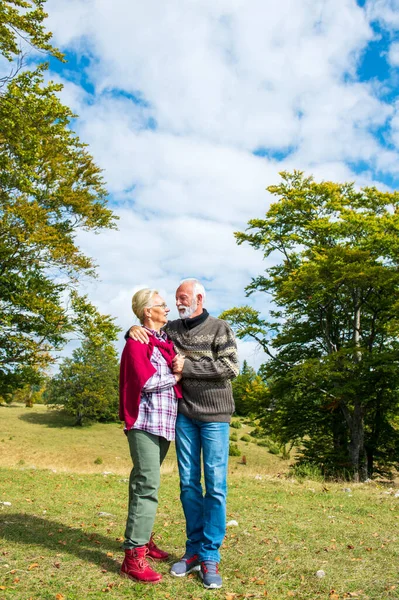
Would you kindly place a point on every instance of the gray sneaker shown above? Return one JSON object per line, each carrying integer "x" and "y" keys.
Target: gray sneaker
{"x": 187, "y": 564}
{"x": 209, "y": 574}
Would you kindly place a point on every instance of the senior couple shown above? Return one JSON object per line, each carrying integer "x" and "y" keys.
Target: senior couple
{"x": 175, "y": 378}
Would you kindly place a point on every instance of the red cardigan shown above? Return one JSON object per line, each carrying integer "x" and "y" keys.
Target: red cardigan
{"x": 135, "y": 370}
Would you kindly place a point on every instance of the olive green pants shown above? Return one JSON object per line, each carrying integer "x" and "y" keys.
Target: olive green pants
{"x": 148, "y": 452}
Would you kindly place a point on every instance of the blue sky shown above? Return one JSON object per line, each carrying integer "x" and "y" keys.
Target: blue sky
{"x": 193, "y": 108}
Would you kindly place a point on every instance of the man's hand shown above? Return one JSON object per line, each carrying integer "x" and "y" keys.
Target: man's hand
{"x": 178, "y": 364}
{"x": 139, "y": 334}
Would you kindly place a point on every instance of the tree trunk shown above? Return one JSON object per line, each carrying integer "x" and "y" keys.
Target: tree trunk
{"x": 357, "y": 452}
{"x": 28, "y": 400}
{"x": 375, "y": 435}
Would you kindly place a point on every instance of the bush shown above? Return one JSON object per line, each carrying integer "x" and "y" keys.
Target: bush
{"x": 270, "y": 445}
{"x": 263, "y": 443}
{"x": 236, "y": 424}
{"x": 257, "y": 432}
{"x": 304, "y": 471}
{"x": 98, "y": 461}
{"x": 251, "y": 423}
{"x": 234, "y": 437}
{"x": 273, "y": 448}
{"x": 234, "y": 450}
{"x": 246, "y": 438}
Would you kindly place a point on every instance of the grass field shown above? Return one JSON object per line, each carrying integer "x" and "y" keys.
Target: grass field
{"x": 60, "y": 535}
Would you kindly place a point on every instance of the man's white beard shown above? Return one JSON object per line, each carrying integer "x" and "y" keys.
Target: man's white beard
{"x": 186, "y": 311}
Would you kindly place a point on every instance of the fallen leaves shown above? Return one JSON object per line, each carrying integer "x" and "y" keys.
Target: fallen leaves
{"x": 109, "y": 587}
{"x": 235, "y": 596}
{"x": 33, "y": 566}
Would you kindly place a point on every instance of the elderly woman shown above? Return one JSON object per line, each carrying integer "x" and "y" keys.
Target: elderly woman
{"x": 148, "y": 404}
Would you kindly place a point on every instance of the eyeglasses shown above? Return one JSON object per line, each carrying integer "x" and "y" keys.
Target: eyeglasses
{"x": 163, "y": 305}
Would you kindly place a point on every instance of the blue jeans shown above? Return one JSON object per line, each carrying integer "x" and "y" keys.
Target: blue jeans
{"x": 205, "y": 515}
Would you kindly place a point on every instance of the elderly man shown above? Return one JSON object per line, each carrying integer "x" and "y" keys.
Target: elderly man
{"x": 207, "y": 360}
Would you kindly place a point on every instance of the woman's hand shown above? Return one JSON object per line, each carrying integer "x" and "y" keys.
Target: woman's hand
{"x": 178, "y": 364}
{"x": 178, "y": 376}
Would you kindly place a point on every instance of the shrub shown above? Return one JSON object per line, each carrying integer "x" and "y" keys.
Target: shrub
{"x": 234, "y": 450}
{"x": 306, "y": 471}
{"x": 98, "y": 461}
{"x": 273, "y": 448}
{"x": 246, "y": 438}
{"x": 236, "y": 424}
{"x": 234, "y": 437}
{"x": 270, "y": 445}
{"x": 257, "y": 432}
{"x": 263, "y": 443}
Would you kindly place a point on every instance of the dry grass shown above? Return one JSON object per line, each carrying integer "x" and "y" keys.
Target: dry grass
{"x": 45, "y": 439}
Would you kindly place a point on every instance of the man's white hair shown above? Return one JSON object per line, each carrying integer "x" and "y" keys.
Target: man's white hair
{"x": 198, "y": 288}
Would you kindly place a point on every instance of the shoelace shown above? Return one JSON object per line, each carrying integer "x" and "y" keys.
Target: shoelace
{"x": 191, "y": 559}
{"x": 151, "y": 544}
{"x": 214, "y": 570}
{"x": 142, "y": 561}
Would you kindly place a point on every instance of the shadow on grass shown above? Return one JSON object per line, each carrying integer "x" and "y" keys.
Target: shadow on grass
{"x": 56, "y": 537}
{"x": 51, "y": 418}
{"x": 32, "y": 530}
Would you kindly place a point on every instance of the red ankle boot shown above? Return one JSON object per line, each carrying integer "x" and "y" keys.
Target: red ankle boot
{"x": 136, "y": 567}
{"x": 155, "y": 552}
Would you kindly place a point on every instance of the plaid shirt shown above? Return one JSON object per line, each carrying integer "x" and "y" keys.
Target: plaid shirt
{"x": 158, "y": 404}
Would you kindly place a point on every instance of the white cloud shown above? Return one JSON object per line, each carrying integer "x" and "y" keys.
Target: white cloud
{"x": 393, "y": 55}
{"x": 213, "y": 81}
{"x": 385, "y": 11}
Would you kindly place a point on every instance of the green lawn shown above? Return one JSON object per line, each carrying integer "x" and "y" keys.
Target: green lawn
{"x": 54, "y": 543}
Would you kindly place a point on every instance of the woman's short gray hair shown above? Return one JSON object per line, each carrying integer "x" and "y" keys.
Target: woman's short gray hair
{"x": 141, "y": 300}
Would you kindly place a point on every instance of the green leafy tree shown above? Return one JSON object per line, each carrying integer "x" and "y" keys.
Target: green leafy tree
{"x": 29, "y": 395}
{"x": 22, "y": 21}
{"x": 87, "y": 384}
{"x": 50, "y": 189}
{"x": 248, "y": 391}
{"x": 333, "y": 336}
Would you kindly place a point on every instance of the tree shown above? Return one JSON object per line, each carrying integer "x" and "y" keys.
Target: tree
{"x": 333, "y": 341}
{"x": 50, "y": 189}
{"x": 87, "y": 383}
{"x": 248, "y": 391}
{"x": 22, "y": 20}
{"x": 28, "y": 395}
